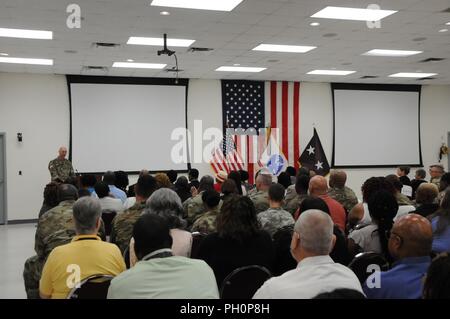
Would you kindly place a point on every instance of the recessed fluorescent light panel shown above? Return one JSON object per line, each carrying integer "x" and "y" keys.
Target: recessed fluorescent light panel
{"x": 239, "y": 69}
{"x": 283, "y": 48}
{"x": 138, "y": 65}
{"x": 215, "y": 5}
{"x": 26, "y": 61}
{"x": 160, "y": 41}
{"x": 26, "y": 34}
{"x": 343, "y": 13}
{"x": 330, "y": 72}
{"x": 393, "y": 53}
{"x": 411, "y": 75}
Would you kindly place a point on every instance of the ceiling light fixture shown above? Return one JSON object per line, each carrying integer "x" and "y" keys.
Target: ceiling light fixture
{"x": 411, "y": 75}
{"x": 314, "y": 24}
{"x": 443, "y": 30}
{"x": 160, "y": 41}
{"x": 240, "y": 69}
{"x": 283, "y": 48}
{"x": 26, "y": 34}
{"x": 138, "y": 65}
{"x": 393, "y": 53}
{"x": 343, "y": 13}
{"x": 4, "y": 54}
{"x": 215, "y": 5}
{"x": 330, "y": 72}
{"x": 165, "y": 13}
{"x": 26, "y": 61}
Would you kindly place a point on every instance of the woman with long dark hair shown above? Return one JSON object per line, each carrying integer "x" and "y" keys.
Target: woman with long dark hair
{"x": 239, "y": 240}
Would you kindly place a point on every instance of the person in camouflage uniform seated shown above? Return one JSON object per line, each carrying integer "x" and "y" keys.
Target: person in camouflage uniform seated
{"x": 260, "y": 198}
{"x": 122, "y": 224}
{"x": 193, "y": 207}
{"x": 55, "y": 228}
{"x": 61, "y": 168}
{"x": 275, "y": 217}
{"x": 341, "y": 193}
{"x": 296, "y": 193}
{"x": 206, "y": 224}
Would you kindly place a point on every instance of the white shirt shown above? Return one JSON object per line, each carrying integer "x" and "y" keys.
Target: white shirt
{"x": 313, "y": 275}
{"x": 402, "y": 210}
{"x": 110, "y": 203}
{"x": 367, "y": 238}
{"x": 129, "y": 202}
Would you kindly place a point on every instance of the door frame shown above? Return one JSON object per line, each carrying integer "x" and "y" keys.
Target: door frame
{"x": 5, "y": 202}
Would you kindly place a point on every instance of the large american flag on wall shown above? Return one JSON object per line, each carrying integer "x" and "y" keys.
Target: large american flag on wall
{"x": 250, "y": 111}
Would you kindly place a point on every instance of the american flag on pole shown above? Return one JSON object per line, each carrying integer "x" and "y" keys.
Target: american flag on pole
{"x": 252, "y": 110}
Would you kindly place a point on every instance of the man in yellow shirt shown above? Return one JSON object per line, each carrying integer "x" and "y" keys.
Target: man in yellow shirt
{"x": 86, "y": 255}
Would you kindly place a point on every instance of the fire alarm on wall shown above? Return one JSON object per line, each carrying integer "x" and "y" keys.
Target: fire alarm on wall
{"x": 19, "y": 137}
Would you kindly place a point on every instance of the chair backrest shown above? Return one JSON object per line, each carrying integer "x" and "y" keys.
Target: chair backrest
{"x": 243, "y": 282}
{"x": 107, "y": 217}
{"x": 196, "y": 241}
{"x": 92, "y": 287}
{"x": 362, "y": 261}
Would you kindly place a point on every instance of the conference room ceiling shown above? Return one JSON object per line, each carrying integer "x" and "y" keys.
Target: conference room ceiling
{"x": 233, "y": 35}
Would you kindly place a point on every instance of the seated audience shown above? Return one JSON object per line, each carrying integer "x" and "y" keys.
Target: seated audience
{"x": 91, "y": 255}
{"x": 193, "y": 178}
{"x": 228, "y": 188}
{"x": 221, "y": 176}
{"x": 131, "y": 194}
{"x": 296, "y": 193}
{"x": 316, "y": 272}
{"x": 244, "y": 179}
{"x": 284, "y": 179}
{"x": 107, "y": 202}
{"x": 160, "y": 274}
{"x": 110, "y": 179}
{"x": 410, "y": 246}
{"x": 50, "y": 197}
{"x": 182, "y": 188}
{"x": 122, "y": 224}
{"x": 260, "y": 197}
{"x": 443, "y": 185}
{"x": 172, "y": 175}
{"x": 402, "y": 199}
{"x": 165, "y": 202}
{"x": 402, "y": 173}
{"x": 318, "y": 187}
{"x": 374, "y": 237}
{"x": 437, "y": 282}
{"x": 341, "y": 193}
{"x": 88, "y": 181}
{"x": 426, "y": 196}
{"x": 121, "y": 181}
{"x": 419, "y": 178}
{"x": 440, "y": 222}
{"x": 275, "y": 217}
{"x": 436, "y": 171}
{"x": 162, "y": 181}
{"x": 239, "y": 240}
{"x": 292, "y": 172}
{"x": 236, "y": 177}
{"x": 206, "y": 224}
{"x": 193, "y": 207}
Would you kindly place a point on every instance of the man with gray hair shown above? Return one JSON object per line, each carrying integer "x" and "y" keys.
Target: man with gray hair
{"x": 316, "y": 272}
{"x": 85, "y": 256}
{"x": 260, "y": 198}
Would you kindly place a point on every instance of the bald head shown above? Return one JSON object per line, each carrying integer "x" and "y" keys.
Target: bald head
{"x": 411, "y": 236}
{"x": 318, "y": 186}
{"x": 62, "y": 152}
{"x": 337, "y": 179}
{"x": 314, "y": 229}
{"x": 426, "y": 193}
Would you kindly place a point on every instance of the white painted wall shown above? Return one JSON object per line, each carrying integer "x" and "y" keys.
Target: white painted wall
{"x": 38, "y": 106}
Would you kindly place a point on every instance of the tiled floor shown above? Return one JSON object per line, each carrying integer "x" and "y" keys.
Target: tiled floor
{"x": 16, "y": 245}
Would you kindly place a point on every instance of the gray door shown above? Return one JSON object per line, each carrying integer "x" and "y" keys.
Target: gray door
{"x": 2, "y": 180}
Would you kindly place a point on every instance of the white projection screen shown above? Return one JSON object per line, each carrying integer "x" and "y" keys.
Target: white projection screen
{"x": 376, "y": 125}
{"x": 125, "y": 126}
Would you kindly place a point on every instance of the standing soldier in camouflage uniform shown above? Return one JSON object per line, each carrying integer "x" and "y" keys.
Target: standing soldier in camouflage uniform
{"x": 61, "y": 168}
{"x": 296, "y": 193}
{"x": 206, "y": 223}
{"x": 341, "y": 193}
{"x": 194, "y": 207}
{"x": 123, "y": 223}
{"x": 260, "y": 198}
{"x": 275, "y": 217}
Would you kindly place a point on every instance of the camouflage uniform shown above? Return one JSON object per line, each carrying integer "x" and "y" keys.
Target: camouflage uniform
{"x": 402, "y": 200}
{"x": 346, "y": 196}
{"x": 292, "y": 200}
{"x": 60, "y": 169}
{"x": 194, "y": 208}
{"x": 55, "y": 228}
{"x": 261, "y": 200}
{"x": 123, "y": 223}
{"x": 206, "y": 223}
{"x": 275, "y": 218}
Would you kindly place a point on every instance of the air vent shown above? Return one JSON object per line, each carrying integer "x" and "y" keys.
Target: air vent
{"x": 105, "y": 45}
{"x": 94, "y": 69}
{"x": 174, "y": 70}
{"x": 197, "y": 49}
{"x": 431, "y": 60}
{"x": 426, "y": 79}
{"x": 369, "y": 77}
